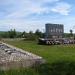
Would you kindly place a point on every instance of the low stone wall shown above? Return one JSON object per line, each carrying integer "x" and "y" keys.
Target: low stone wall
{"x": 12, "y": 57}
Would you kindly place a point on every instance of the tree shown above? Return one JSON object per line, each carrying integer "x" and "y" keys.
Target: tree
{"x": 39, "y": 33}
{"x": 12, "y": 33}
{"x": 24, "y": 34}
{"x": 30, "y": 32}
{"x": 71, "y": 32}
{"x": 31, "y": 36}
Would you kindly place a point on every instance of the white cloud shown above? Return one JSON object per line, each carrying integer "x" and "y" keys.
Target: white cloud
{"x": 21, "y": 25}
{"x": 24, "y": 8}
{"x": 21, "y": 9}
{"x": 62, "y": 8}
{"x": 45, "y": 1}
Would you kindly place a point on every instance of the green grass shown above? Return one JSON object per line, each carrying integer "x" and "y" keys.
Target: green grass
{"x": 49, "y": 53}
{"x": 60, "y": 59}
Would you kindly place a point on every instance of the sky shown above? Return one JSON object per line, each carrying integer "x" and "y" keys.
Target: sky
{"x": 29, "y": 15}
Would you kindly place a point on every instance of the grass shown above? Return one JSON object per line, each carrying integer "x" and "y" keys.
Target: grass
{"x": 60, "y": 59}
{"x": 49, "y": 53}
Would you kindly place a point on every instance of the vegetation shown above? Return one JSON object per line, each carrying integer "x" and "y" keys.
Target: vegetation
{"x": 28, "y": 36}
{"x": 71, "y": 32}
{"x": 60, "y": 59}
{"x": 10, "y": 34}
{"x": 49, "y": 53}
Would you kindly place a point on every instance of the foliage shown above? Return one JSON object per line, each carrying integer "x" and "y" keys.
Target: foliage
{"x": 39, "y": 33}
{"x": 56, "y": 68}
{"x": 71, "y": 33}
{"x": 30, "y": 36}
{"x": 12, "y": 33}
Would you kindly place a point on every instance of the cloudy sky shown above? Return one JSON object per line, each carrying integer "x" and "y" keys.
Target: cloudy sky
{"x": 26, "y": 15}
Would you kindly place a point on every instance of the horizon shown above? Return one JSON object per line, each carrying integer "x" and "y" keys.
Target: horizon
{"x": 30, "y": 15}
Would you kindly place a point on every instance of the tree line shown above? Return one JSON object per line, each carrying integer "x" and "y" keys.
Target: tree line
{"x": 27, "y": 35}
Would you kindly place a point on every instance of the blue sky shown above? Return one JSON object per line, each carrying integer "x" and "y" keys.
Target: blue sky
{"x": 26, "y": 15}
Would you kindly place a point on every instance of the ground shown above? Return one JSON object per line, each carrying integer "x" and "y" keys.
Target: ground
{"x": 60, "y": 59}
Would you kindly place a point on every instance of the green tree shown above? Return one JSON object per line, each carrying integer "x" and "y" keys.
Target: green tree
{"x": 12, "y": 33}
{"x": 39, "y": 33}
{"x": 31, "y": 32}
{"x": 71, "y": 32}
{"x": 30, "y": 36}
{"x": 24, "y": 34}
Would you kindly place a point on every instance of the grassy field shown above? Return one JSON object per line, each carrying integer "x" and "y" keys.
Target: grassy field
{"x": 60, "y": 59}
{"x": 49, "y": 53}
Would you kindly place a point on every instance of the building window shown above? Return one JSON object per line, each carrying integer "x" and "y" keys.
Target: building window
{"x": 51, "y": 30}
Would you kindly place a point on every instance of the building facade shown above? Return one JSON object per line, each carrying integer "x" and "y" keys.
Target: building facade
{"x": 54, "y": 30}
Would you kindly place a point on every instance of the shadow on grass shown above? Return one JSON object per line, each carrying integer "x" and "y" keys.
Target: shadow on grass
{"x": 57, "y": 68}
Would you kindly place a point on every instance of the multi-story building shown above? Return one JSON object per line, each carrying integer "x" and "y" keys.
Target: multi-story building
{"x": 54, "y": 30}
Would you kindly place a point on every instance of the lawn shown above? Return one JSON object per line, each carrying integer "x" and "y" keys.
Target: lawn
{"x": 49, "y": 53}
{"x": 60, "y": 59}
